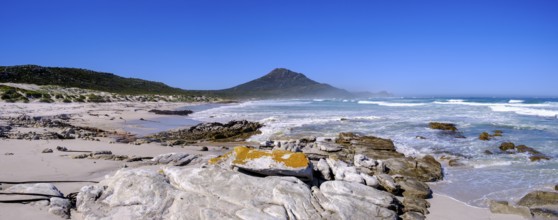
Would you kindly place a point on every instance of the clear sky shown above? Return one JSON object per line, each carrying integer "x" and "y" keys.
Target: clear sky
{"x": 446, "y": 47}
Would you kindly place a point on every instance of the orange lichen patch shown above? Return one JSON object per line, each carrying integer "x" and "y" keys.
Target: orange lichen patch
{"x": 243, "y": 154}
{"x": 288, "y": 158}
{"x": 219, "y": 159}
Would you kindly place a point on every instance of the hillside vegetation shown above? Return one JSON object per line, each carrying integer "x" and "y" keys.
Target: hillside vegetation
{"x": 84, "y": 79}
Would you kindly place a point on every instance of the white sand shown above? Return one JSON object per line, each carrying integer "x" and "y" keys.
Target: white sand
{"x": 447, "y": 208}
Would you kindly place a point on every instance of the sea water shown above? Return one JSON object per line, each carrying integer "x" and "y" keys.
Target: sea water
{"x": 532, "y": 122}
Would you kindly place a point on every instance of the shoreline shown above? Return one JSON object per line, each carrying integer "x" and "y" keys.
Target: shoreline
{"x": 34, "y": 165}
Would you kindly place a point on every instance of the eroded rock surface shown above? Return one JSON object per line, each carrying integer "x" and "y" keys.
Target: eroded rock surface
{"x": 214, "y": 192}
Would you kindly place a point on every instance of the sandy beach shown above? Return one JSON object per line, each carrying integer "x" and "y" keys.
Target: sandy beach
{"x": 23, "y": 160}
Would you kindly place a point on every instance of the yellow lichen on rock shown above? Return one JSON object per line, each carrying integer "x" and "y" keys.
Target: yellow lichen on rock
{"x": 243, "y": 154}
{"x": 219, "y": 159}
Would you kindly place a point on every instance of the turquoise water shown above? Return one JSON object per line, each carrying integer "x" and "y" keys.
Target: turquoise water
{"x": 532, "y": 122}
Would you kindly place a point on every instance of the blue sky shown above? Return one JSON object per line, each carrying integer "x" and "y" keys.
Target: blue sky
{"x": 450, "y": 47}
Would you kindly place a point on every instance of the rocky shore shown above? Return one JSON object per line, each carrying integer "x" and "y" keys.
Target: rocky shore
{"x": 350, "y": 176}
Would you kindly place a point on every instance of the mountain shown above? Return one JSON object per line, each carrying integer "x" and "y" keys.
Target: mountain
{"x": 284, "y": 83}
{"x": 84, "y": 79}
{"x": 279, "y": 83}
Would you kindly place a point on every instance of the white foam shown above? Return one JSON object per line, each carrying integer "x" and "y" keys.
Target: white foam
{"x": 491, "y": 163}
{"x": 456, "y": 100}
{"x": 391, "y": 104}
{"x": 525, "y": 111}
{"x": 516, "y": 101}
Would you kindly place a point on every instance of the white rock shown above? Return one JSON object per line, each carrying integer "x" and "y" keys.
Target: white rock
{"x": 38, "y": 188}
{"x": 329, "y": 146}
{"x": 371, "y": 181}
{"x": 363, "y": 161}
{"x": 60, "y": 207}
{"x": 324, "y": 169}
{"x": 355, "y": 201}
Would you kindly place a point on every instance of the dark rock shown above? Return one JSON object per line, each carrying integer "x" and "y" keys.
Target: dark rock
{"x": 425, "y": 169}
{"x": 484, "y": 136}
{"x": 414, "y": 188}
{"x": 9, "y": 154}
{"x": 60, "y": 148}
{"x": 487, "y": 152}
{"x": 556, "y": 187}
{"x": 171, "y": 112}
{"x": 204, "y": 148}
{"x": 103, "y": 152}
{"x": 420, "y": 137}
{"x": 141, "y": 119}
{"x": 370, "y": 146}
{"x": 539, "y": 198}
{"x": 507, "y": 146}
{"x": 442, "y": 126}
{"x": 47, "y": 150}
{"x": 542, "y": 213}
{"x": 412, "y": 216}
{"x": 413, "y": 204}
{"x": 497, "y": 133}
{"x": 503, "y": 207}
{"x": 538, "y": 158}
{"x": 231, "y": 131}
{"x": 455, "y": 163}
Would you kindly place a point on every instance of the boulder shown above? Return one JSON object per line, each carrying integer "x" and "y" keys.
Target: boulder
{"x": 47, "y": 150}
{"x": 425, "y": 169}
{"x": 484, "y": 136}
{"x": 372, "y": 147}
{"x": 442, "y": 126}
{"x": 363, "y": 161}
{"x": 329, "y": 146}
{"x": 539, "y": 199}
{"x": 37, "y": 188}
{"x": 503, "y": 207}
{"x": 60, "y": 207}
{"x": 356, "y": 201}
{"x": 414, "y": 188}
{"x": 231, "y": 131}
{"x": 412, "y": 216}
{"x": 388, "y": 183}
{"x": 174, "y": 159}
{"x": 269, "y": 163}
{"x": 507, "y": 146}
{"x": 342, "y": 171}
{"x": 324, "y": 169}
{"x": 413, "y": 204}
{"x": 371, "y": 181}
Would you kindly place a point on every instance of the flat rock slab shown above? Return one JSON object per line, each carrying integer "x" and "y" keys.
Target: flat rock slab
{"x": 270, "y": 163}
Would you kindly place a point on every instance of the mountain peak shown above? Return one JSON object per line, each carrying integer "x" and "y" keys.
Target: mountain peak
{"x": 284, "y": 83}
{"x": 283, "y": 73}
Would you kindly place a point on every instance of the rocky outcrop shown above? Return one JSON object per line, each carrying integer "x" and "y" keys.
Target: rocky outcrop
{"x": 59, "y": 122}
{"x": 231, "y": 131}
{"x": 356, "y": 201}
{"x": 442, "y": 126}
{"x": 425, "y": 169}
{"x": 54, "y": 199}
{"x": 504, "y": 207}
{"x": 171, "y": 112}
{"x": 537, "y": 204}
{"x": 534, "y": 155}
{"x": 216, "y": 193}
{"x": 269, "y": 163}
{"x": 174, "y": 159}
{"x": 370, "y": 146}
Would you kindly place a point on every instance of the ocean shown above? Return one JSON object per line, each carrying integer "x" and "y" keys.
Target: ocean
{"x": 529, "y": 121}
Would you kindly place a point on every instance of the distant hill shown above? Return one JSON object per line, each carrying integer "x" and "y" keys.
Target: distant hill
{"x": 284, "y": 83}
{"x": 84, "y": 79}
{"x": 279, "y": 83}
